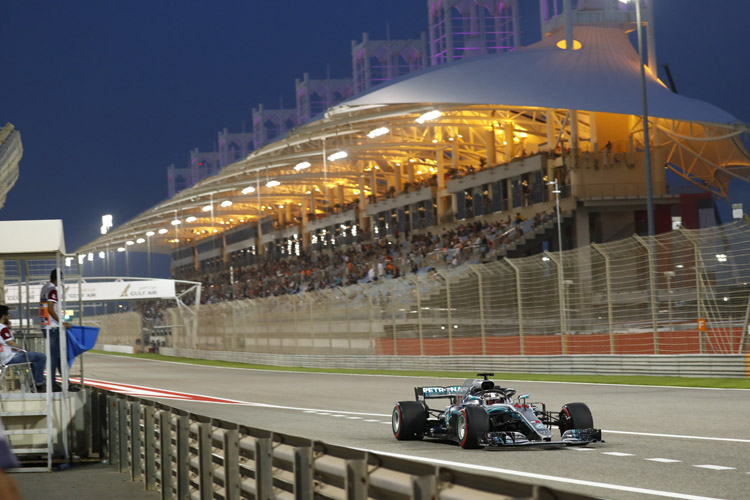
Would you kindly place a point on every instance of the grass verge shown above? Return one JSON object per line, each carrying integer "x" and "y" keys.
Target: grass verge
{"x": 718, "y": 383}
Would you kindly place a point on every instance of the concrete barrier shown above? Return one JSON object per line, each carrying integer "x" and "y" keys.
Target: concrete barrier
{"x": 680, "y": 365}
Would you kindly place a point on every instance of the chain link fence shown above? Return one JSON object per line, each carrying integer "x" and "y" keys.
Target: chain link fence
{"x": 680, "y": 292}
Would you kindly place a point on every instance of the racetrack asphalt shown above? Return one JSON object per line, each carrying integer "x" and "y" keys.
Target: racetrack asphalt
{"x": 660, "y": 441}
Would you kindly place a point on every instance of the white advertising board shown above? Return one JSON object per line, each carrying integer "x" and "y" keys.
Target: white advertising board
{"x": 101, "y": 291}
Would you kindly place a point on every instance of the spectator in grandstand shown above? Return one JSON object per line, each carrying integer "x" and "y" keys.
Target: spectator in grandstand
{"x": 11, "y": 353}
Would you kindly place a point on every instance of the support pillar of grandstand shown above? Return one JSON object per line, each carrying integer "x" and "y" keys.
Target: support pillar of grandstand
{"x": 573, "y": 138}
{"x": 340, "y": 196}
{"x": 397, "y": 178}
{"x": 330, "y": 199}
{"x": 490, "y": 141}
{"x": 304, "y": 235}
{"x": 582, "y": 230}
{"x": 440, "y": 168}
{"x": 259, "y": 241}
{"x": 410, "y": 174}
{"x": 373, "y": 182}
{"x": 508, "y": 140}
{"x": 593, "y": 133}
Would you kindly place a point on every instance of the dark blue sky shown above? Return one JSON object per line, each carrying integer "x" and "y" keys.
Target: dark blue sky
{"x": 108, "y": 94}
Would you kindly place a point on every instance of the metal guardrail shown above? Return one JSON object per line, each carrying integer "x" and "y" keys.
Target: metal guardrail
{"x": 190, "y": 456}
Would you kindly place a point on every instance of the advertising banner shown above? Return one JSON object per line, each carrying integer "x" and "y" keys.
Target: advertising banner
{"x": 100, "y": 291}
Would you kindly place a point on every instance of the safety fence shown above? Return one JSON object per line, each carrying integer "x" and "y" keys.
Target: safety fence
{"x": 187, "y": 455}
{"x": 681, "y": 292}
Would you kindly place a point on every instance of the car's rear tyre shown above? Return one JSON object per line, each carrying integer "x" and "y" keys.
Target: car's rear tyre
{"x": 408, "y": 420}
{"x": 575, "y": 416}
{"x": 472, "y": 425}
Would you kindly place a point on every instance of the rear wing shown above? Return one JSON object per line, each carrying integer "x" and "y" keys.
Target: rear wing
{"x": 433, "y": 392}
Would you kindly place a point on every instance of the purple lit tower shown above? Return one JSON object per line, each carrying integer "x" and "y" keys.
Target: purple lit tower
{"x": 200, "y": 166}
{"x": 378, "y": 61}
{"x": 316, "y": 96}
{"x": 467, "y": 28}
{"x": 234, "y": 146}
{"x": 270, "y": 125}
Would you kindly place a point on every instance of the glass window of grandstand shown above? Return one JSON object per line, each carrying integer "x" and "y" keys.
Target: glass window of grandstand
{"x": 244, "y": 257}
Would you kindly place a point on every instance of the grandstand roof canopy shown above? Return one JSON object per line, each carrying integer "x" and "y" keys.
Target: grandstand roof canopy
{"x": 533, "y": 86}
{"x": 603, "y": 75}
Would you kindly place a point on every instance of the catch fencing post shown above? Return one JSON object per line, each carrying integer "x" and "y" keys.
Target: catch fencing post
{"x": 231, "y": 464}
{"x": 165, "y": 454}
{"x": 135, "y": 441}
{"x": 183, "y": 454}
{"x": 423, "y": 488}
{"x": 205, "y": 471}
{"x": 303, "y": 473}
{"x": 610, "y": 314}
{"x": 122, "y": 431}
{"x": 356, "y": 479}
{"x": 480, "y": 289}
{"x": 264, "y": 467}
{"x": 698, "y": 257}
{"x": 149, "y": 446}
{"x": 113, "y": 441}
{"x": 648, "y": 245}
{"x": 519, "y": 305}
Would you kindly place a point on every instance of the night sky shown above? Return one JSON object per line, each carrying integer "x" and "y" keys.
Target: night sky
{"x": 108, "y": 94}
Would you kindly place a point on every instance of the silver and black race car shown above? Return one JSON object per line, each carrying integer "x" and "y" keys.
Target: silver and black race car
{"x": 481, "y": 414}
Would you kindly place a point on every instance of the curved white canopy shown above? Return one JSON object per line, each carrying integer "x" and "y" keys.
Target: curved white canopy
{"x": 603, "y": 76}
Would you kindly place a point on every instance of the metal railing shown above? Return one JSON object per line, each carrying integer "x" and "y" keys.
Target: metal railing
{"x": 190, "y": 456}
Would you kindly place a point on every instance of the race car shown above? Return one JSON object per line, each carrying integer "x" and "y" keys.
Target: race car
{"x": 483, "y": 414}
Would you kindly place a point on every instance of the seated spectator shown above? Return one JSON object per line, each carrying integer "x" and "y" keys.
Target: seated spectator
{"x": 11, "y": 353}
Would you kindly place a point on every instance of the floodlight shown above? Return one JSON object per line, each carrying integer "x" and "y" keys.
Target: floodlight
{"x": 429, "y": 116}
{"x": 338, "y": 155}
{"x": 378, "y": 132}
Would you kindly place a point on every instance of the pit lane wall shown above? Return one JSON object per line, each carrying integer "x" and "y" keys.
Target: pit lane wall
{"x": 189, "y": 455}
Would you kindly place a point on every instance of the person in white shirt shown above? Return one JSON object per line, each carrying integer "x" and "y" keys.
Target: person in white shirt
{"x": 11, "y": 355}
{"x": 50, "y": 320}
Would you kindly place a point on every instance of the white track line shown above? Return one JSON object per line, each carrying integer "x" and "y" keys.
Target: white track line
{"x": 617, "y": 454}
{"x": 594, "y": 484}
{"x": 663, "y": 460}
{"x": 714, "y": 467}
{"x": 413, "y": 376}
{"x": 678, "y": 436}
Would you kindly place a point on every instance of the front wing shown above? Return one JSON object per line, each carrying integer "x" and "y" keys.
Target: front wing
{"x": 571, "y": 437}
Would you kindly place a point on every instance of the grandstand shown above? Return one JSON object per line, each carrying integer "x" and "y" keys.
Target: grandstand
{"x": 480, "y": 140}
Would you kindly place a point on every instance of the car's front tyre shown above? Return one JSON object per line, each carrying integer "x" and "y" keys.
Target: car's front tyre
{"x": 408, "y": 420}
{"x": 472, "y": 425}
{"x": 575, "y": 416}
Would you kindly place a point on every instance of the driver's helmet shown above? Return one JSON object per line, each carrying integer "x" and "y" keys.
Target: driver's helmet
{"x": 493, "y": 398}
